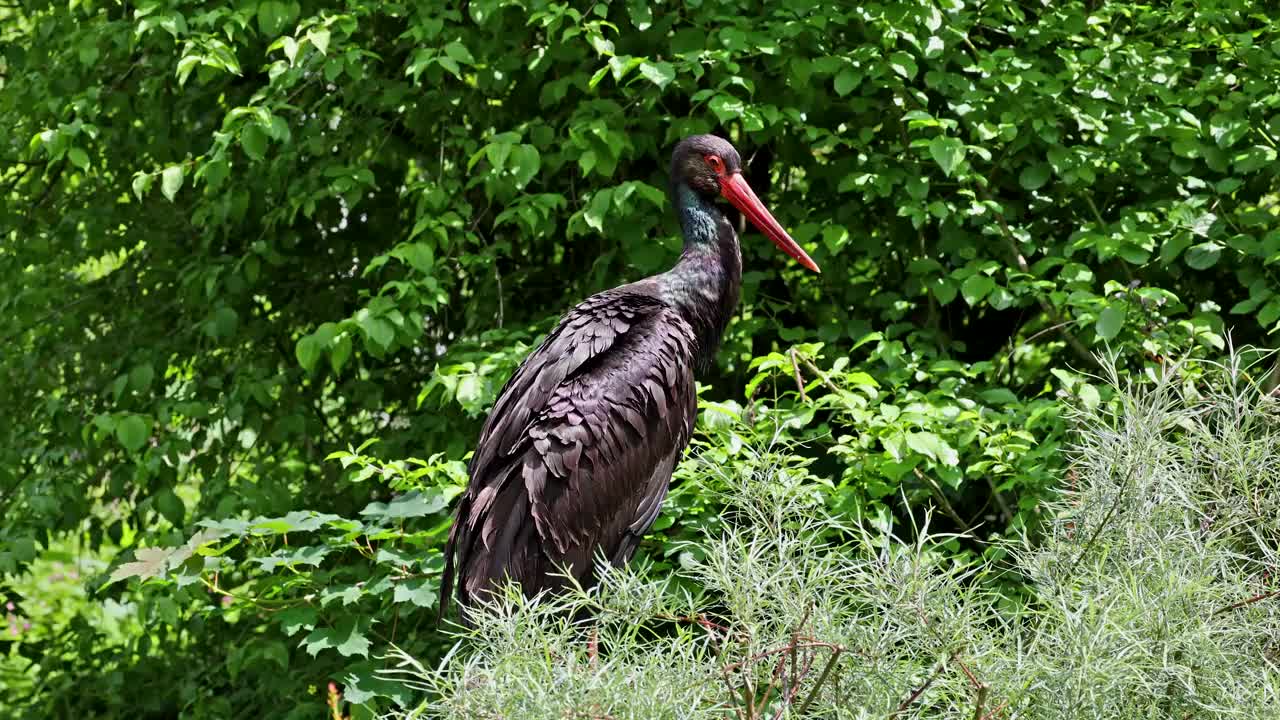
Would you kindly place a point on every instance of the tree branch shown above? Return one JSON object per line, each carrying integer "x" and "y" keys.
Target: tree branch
{"x": 1080, "y": 350}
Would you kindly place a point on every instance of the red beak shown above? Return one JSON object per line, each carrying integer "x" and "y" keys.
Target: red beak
{"x": 735, "y": 189}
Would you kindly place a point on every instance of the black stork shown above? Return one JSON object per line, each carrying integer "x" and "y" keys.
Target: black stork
{"x": 576, "y": 456}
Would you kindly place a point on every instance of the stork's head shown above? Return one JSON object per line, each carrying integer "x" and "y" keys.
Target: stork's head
{"x": 711, "y": 167}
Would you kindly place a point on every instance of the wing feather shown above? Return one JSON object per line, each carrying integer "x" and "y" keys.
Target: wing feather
{"x": 577, "y": 453}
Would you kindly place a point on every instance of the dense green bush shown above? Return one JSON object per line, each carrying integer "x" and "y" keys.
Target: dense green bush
{"x": 1152, "y": 595}
{"x": 240, "y": 237}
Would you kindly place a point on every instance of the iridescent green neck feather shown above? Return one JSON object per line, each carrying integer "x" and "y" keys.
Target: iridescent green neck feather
{"x": 705, "y": 283}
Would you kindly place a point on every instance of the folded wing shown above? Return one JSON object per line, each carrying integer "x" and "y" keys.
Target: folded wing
{"x": 577, "y": 453}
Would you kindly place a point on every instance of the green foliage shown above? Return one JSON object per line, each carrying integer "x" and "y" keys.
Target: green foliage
{"x": 1151, "y": 594}
{"x": 240, "y": 237}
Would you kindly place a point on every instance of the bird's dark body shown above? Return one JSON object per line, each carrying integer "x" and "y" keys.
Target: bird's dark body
{"x": 575, "y": 458}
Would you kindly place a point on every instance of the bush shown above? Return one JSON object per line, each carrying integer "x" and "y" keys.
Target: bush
{"x": 1151, "y": 594}
{"x": 240, "y": 237}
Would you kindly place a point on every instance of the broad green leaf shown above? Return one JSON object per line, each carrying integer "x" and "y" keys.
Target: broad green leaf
{"x": 381, "y": 332}
{"x": 998, "y": 396}
{"x": 79, "y": 158}
{"x": 659, "y": 73}
{"x": 88, "y": 52}
{"x": 296, "y": 521}
{"x": 726, "y": 107}
{"x": 597, "y": 77}
{"x": 933, "y": 447}
{"x": 319, "y": 39}
{"x": 903, "y": 64}
{"x": 254, "y": 140}
{"x": 1089, "y": 396}
{"x": 363, "y": 682}
{"x": 418, "y": 255}
{"x": 525, "y": 163}
{"x": 1227, "y": 130}
{"x": 132, "y": 432}
{"x": 307, "y": 351}
{"x": 171, "y": 181}
{"x": 451, "y": 65}
{"x": 418, "y": 591}
{"x": 934, "y": 47}
{"x": 1253, "y": 159}
{"x": 1269, "y": 313}
{"x": 294, "y": 557}
{"x": 1204, "y": 255}
{"x": 468, "y": 393}
{"x": 1174, "y": 245}
{"x": 293, "y": 619}
{"x": 1110, "y": 320}
{"x": 640, "y": 13}
{"x": 948, "y": 152}
{"x": 847, "y": 80}
{"x": 412, "y": 504}
{"x": 147, "y": 563}
{"x": 340, "y": 352}
{"x": 171, "y": 507}
{"x": 943, "y": 289}
{"x": 142, "y": 184}
{"x": 596, "y": 212}
{"x": 214, "y": 172}
{"x": 345, "y": 637}
{"x": 140, "y": 377}
{"x": 1033, "y": 177}
{"x": 459, "y": 53}
{"x": 976, "y": 287}
{"x": 497, "y": 154}
{"x": 273, "y": 16}
{"x": 622, "y": 65}
{"x": 348, "y": 594}
{"x": 290, "y": 47}
{"x": 225, "y": 322}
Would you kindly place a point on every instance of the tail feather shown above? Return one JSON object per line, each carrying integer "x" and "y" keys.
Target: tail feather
{"x": 450, "y": 550}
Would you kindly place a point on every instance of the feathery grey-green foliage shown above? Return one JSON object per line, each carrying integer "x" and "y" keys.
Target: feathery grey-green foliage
{"x": 1147, "y": 595}
{"x": 265, "y": 265}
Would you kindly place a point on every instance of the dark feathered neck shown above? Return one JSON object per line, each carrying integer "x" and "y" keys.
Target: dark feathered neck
{"x": 705, "y": 283}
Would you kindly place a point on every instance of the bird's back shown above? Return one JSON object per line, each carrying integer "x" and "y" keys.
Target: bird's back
{"x": 576, "y": 455}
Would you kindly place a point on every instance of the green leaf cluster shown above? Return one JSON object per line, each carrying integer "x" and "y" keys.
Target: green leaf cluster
{"x": 237, "y": 238}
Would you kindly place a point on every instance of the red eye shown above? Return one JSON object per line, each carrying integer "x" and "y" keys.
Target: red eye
{"x": 715, "y": 162}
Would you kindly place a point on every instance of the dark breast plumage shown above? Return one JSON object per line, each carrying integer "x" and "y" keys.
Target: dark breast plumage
{"x": 577, "y": 453}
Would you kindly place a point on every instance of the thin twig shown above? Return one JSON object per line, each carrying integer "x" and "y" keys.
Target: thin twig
{"x": 809, "y": 644}
{"x": 1096, "y": 215}
{"x": 1045, "y": 331}
{"x": 825, "y": 380}
{"x": 942, "y": 498}
{"x": 749, "y": 414}
{"x": 977, "y": 684}
{"x": 933, "y": 676}
{"x": 498, "y": 275}
{"x": 1005, "y": 511}
{"x": 973, "y": 680}
{"x": 779, "y": 670}
{"x": 822, "y": 678}
{"x": 1243, "y": 603}
{"x": 58, "y": 311}
{"x": 53, "y": 183}
{"x": 1106, "y": 520}
{"x": 729, "y": 684}
{"x": 997, "y": 709}
{"x": 981, "y": 701}
{"x": 795, "y": 366}
{"x": 1081, "y": 351}
{"x": 789, "y": 693}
